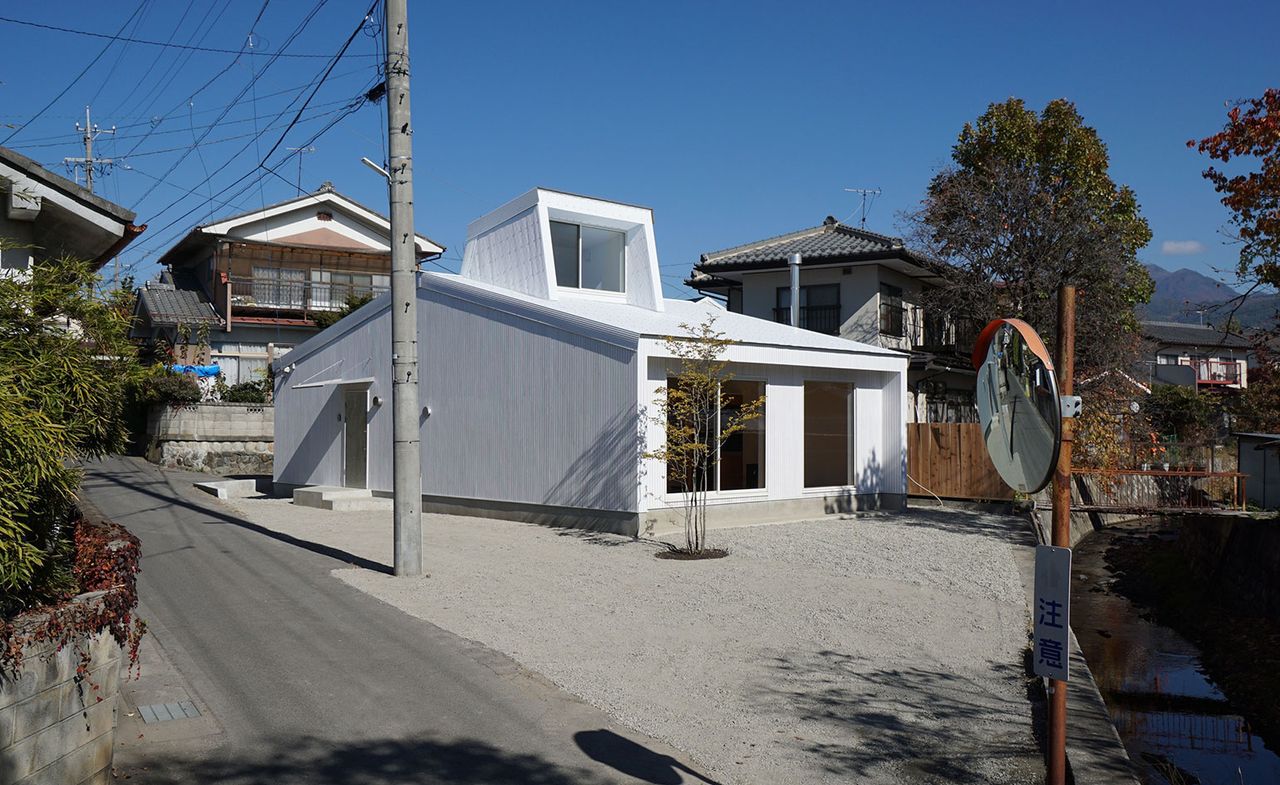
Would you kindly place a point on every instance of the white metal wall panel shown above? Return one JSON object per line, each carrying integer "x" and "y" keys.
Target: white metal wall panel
{"x": 522, "y": 411}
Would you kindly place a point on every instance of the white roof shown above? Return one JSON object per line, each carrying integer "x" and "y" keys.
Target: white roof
{"x": 623, "y": 321}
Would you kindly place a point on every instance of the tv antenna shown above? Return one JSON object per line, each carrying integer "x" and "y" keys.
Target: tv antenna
{"x": 301, "y": 151}
{"x": 865, "y": 192}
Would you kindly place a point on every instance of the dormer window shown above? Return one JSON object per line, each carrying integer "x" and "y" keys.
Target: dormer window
{"x": 588, "y": 257}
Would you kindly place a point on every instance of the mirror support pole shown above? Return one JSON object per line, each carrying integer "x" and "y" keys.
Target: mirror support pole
{"x": 1065, "y": 361}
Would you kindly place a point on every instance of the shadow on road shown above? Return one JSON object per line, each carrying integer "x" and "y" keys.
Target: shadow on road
{"x": 911, "y": 724}
{"x": 412, "y": 761}
{"x": 632, "y": 759}
{"x": 1012, "y": 529}
{"x": 158, "y": 487}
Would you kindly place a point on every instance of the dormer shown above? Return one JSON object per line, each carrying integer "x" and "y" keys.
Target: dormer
{"x": 556, "y": 246}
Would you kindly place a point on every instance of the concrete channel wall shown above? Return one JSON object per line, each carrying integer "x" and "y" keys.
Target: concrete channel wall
{"x": 219, "y": 438}
{"x": 53, "y": 728}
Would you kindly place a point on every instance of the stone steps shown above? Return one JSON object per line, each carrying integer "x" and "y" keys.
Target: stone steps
{"x": 323, "y": 497}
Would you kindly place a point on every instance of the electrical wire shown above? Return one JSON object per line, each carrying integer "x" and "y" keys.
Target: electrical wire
{"x": 72, "y": 83}
{"x": 128, "y": 40}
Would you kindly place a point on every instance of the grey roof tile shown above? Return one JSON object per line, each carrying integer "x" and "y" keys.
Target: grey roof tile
{"x": 1192, "y": 335}
{"x": 831, "y": 240}
{"x": 177, "y": 306}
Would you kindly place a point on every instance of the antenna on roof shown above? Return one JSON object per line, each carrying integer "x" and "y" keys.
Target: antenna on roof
{"x": 865, "y": 192}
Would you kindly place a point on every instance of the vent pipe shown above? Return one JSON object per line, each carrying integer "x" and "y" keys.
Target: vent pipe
{"x": 793, "y": 261}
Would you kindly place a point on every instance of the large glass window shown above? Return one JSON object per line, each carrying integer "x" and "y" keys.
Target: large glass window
{"x": 741, "y": 457}
{"x": 587, "y": 257}
{"x": 893, "y": 314}
{"x": 742, "y": 454}
{"x": 828, "y": 434}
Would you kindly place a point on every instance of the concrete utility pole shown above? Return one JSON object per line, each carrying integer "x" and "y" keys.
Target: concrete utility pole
{"x": 407, "y": 460}
{"x": 90, "y": 132}
{"x": 1066, "y": 361}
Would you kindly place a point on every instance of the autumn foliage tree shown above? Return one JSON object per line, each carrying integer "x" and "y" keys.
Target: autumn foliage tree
{"x": 1026, "y": 206}
{"x": 698, "y": 417}
{"x": 1252, "y": 133}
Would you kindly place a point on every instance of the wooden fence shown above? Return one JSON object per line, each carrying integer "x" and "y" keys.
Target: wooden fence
{"x": 950, "y": 460}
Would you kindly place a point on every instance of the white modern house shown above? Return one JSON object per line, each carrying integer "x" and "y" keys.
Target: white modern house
{"x": 538, "y": 364}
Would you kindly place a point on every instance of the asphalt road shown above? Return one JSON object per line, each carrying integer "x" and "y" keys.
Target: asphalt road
{"x": 308, "y": 680}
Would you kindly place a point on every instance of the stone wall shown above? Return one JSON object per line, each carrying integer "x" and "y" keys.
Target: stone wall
{"x": 219, "y": 438}
{"x": 1239, "y": 557}
{"x": 54, "y": 729}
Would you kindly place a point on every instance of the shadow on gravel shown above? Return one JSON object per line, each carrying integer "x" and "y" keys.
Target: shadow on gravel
{"x": 417, "y": 761}
{"x": 1011, "y": 529}
{"x": 909, "y": 724}
{"x": 161, "y": 489}
{"x": 632, "y": 759}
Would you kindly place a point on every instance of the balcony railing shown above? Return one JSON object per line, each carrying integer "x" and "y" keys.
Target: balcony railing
{"x": 819, "y": 318}
{"x": 296, "y": 297}
{"x": 1214, "y": 371}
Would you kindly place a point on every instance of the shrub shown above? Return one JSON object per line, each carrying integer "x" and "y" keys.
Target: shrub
{"x": 168, "y": 387}
{"x": 325, "y": 319}
{"x": 65, "y": 365}
{"x": 246, "y": 392}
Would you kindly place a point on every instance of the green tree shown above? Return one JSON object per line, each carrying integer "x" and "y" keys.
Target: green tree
{"x": 1182, "y": 412}
{"x": 1027, "y": 205}
{"x": 693, "y": 409}
{"x": 325, "y": 319}
{"x": 65, "y": 364}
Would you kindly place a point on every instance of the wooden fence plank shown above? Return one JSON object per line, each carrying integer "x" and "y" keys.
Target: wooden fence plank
{"x": 949, "y": 460}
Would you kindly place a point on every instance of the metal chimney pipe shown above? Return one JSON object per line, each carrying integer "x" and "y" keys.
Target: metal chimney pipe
{"x": 794, "y": 262}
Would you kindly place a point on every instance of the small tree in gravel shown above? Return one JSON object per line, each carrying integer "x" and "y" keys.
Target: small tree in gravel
{"x": 692, "y": 410}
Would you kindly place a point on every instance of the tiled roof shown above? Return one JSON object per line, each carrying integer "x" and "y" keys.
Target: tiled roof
{"x": 1192, "y": 335}
{"x": 831, "y": 240}
{"x": 166, "y": 305}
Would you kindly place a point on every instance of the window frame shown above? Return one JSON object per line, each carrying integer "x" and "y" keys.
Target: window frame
{"x": 622, "y": 259}
{"x": 892, "y": 304}
{"x": 851, "y": 443}
{"x": 672, "y": 495}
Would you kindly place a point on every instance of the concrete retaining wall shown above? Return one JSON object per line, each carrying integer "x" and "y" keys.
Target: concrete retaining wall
{"x": 53, "y": 729}
{"x": 220, "y": 438}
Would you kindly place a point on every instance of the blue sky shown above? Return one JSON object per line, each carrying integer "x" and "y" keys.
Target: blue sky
{"x": 734, "y": 121}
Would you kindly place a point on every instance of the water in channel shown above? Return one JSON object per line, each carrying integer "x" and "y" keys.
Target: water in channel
{"x": 1176, "y": 723}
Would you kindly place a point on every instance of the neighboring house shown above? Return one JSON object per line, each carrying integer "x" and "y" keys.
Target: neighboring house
{"x": 858, "y": 285}
{"x": 50, "y": 217}
{"x": 269, "y": 276}
{"x": 538, "y": 364}
{"x": 1195, "y": 355}
{"x": 1258, "y": 456}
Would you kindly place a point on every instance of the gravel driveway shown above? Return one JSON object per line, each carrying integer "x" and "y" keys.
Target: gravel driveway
{"x": 885, "y": 648}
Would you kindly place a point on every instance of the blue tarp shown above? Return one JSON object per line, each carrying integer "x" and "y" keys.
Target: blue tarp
{"x": 199, "y": 370}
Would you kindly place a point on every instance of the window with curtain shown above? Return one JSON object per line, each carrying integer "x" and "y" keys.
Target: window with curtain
{"x": 828, "y": 434}
{"x": 740, "y": 463}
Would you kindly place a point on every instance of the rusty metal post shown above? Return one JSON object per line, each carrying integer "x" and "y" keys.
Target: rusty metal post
{"x": 1064, "y": 359}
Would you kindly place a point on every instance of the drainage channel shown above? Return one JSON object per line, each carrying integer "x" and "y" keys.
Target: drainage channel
{"x": 164, "y": 712}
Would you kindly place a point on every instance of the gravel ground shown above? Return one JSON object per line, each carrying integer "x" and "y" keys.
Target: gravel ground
{"x": 876, "y": 649}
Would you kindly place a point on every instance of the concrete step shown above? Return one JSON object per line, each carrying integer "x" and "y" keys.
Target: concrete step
{"x": 230, "y": 489}
{"x": 326, "y": 497}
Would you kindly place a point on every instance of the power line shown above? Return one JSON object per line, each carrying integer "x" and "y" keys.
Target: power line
{"x": 144, "y": 42}
{"x": 74, "y": 81}
{"x": 293, "y": 36}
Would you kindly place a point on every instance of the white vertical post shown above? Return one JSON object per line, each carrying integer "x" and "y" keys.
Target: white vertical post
{"x": 407, "y": 468}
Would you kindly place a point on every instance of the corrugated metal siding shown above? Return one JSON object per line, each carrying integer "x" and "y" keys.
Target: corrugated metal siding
{"x": 308, "y": 445}
{"x": 525, "y": 412}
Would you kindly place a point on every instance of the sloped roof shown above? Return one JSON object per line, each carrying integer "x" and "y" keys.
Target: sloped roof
{"x": 616, "y": 323}
{"x": 828, "y": 242}
{"x": 1192, "y": 335}
{"x": 169, "y": 306}
{"x": 74, "y": 190}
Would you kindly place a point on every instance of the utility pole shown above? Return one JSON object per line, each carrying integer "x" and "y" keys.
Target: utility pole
{"x": 89, "y": 132}
{"x": 865, "y": 192}
{"x": 407, "y": 460}
{"x": 1065, "y": 360}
